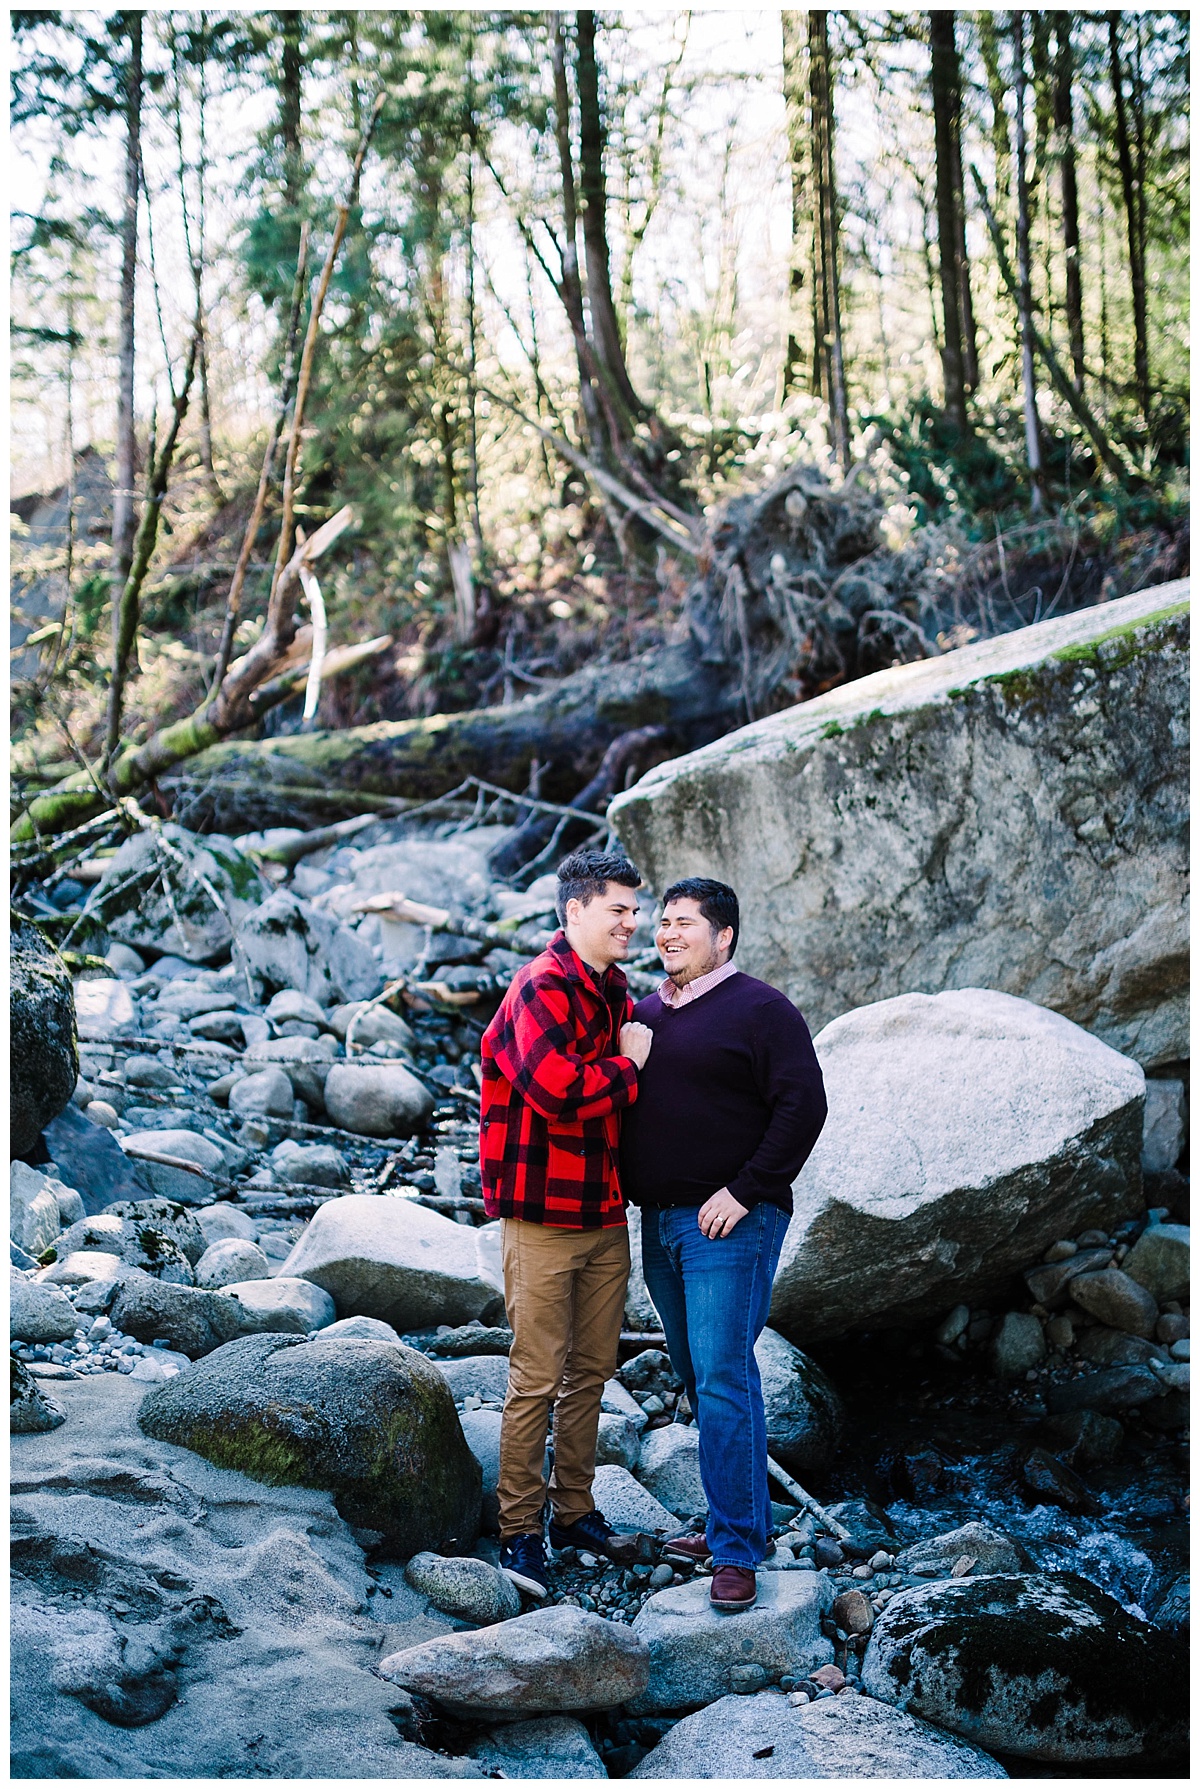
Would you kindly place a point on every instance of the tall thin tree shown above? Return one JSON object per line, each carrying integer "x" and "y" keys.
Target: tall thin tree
{"x": 1133, "y": 195}
{"x": 1064, "y": 73}
{"x": 1033, "y": 443}
{"x": 826, "y": 230}
{"x": 123, "y": 497}
{"x": 798, "y": 359}
{"x": 944, "y": 86}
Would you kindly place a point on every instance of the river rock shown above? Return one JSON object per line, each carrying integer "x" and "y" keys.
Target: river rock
{"x": 1164, "y": 1128}
{"x": 1009, "y": 815}
{"x": 216, "y": 1222}
{"x": 391, "y": 1259}
{"x": 357, "y": 1329}
{"x": 966, "y": 1132}
{"x": 34, "y": 1218}
{"x": 138, "y": 1244}
{"x": 468, "y": 1588}
{"x": 694, "y": 1647}
{"x": 376, "y": 1099}
{"x": 193, "y": 1321}
{"x": 292, "y": 1005}
{"x": 31, "y": 1411}
{"x": 81, "y": 1267}
{"x": 38, "y": 1313}
{"x": 1015, "y": 1345}
{"x": 640, "y": 1313}
{"x": 150, "y": 1219}
{"x": 1050, "y": 1285}
{"x": 1043, "y": 1665}
{"x": 628, "y": 1505}
{"x": 991, "y": 1550}
{"x": 304, "y": 1060}
{"x": 745, "y": 1737}
{"x": 265, "y": 1094}
{"x": 1116, "y": 1299}
{"x": 176, "y": 1183}
{"x": 377, "y": 1025}
{"x": 282, "y": 1305}
{"x": 366, "y": 1420}
{"x": 104, "y": 1009}
{"x": 289, "y": 944}
{"x": 1159, "y": 1261}
{"x": 310, "y": 1164}
{"x": 184, "y": 921}
{"x": 805, "y": 1417}
{"x": 557, "y": 1747}
{"x": 1116, "y": 1388}
{"x": 551, "y": 1661}
{"x": 618, "y": 1441}
{"x": 482, "y": 1430}
{"x": 650, "y": 1372}
{"x": 1082, "y": 1438}
{"x": 43, "y": 1061}
{"x": 669, "y": 1467}
{"x": 233, "y": 1259}
{"x": 483, "y": 1375}
{"x": 89, "y": 1159}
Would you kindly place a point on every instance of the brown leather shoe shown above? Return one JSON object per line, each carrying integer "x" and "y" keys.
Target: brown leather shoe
{"x": 693, "y": 1548}
{"x": 733, "y": 1587}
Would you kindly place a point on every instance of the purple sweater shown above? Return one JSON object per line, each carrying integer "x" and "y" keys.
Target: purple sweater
{"x": 731, "y": 1096}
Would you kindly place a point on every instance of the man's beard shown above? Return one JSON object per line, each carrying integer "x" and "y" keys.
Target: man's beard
{"x": 674, "y": 975}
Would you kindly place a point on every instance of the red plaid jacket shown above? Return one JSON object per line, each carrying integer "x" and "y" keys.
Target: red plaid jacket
{"x": 553, "y": 1089}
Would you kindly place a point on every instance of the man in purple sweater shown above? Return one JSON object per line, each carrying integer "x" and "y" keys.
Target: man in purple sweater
{"x": 730, "y": 1104}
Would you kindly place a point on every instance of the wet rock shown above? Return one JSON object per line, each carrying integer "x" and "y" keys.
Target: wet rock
{"x": 1015, "y": 1345}
{"x": 1172, "y": 1610}
{"x": 376, "y": 1100}
{"x": 38, "y": 1313}
{"x": 366, "y": 1420}
{"x": 693, "y": 1647}
{"x": 669, "y": 1467}
{"x": 940, "y": 1200}
{"x": 222, "y": 1263}
{"x": 289, "y": 944}
{"x": 1116, "y": 1300}
{"x": 551, "y": 1661}
{"x": 283, "y": 1305}
{"x": 148, "y": 1147}
{"x": 805, "y": 1418}
{"x": 1051, "y": 1481}
{"x": 468, "y": 1588}
{"x": 34, "y": 1219}
{"x": 737, "y": 1739}
{"x": 868, "y": 1525}
{"x": 1117, "y": 1388}
{"x": 1164, "y": 1127}
{"x": 358, "y": 1329}
{"x": 1057, "y": 825}
{"x": 388, "y": 1258}
{"x": 991, "y": 1550}
{"x": 310, "y": 1164}
{"x": 1112, "y": 1348}
{"x": 1083, "y": 1438}
{"x": 557, "y": 1747}
{"x": 1050, "y": 1285}
{"x": 628, "y": 1505}
{"x": 1159, "y": 1261}
{"x": 31, "y": 1411}
{"x": 43, "y": 1060}
{"x": 185, "y": 921}
{"x": 267, "y": 1093}
{"x": 1041, "y": 1666}
{"x": 828, "y": 1552}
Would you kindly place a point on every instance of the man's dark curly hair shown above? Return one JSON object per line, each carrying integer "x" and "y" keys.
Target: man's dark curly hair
{"x": 586, "y": 874}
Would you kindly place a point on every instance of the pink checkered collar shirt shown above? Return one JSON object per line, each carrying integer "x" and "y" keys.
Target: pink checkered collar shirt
{"x": 672, "y": 996}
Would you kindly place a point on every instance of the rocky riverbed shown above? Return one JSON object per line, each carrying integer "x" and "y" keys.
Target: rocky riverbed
{"x": 259, "y": 1358}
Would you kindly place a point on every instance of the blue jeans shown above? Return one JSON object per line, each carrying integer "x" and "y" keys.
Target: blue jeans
{"x": 713, "y": 1298}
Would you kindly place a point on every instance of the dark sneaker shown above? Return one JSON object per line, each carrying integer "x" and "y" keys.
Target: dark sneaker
{"x": 523, "y": 1560}
{"x": 593, "y": 1533}
{"x": 733, "y": 1587}
{"x": 693, "y": 1548}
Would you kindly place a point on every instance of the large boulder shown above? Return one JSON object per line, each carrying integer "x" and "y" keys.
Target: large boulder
{"x": 1040, "y": 1666}
{"x": 154, "y": 895}
{"x": 38, "y": 1313}
{"x": 43, "y": 1060}
{"x": 369, "y": 1421}
{"x": 392, "y": 1259}
{"x": 805, "y": 1417}
{"x": 550, "y": 1662}
{"x": 87, "y": 1158}
{"x": 283, "y": 1305}
{"x": 744, "y": 1737}
{"x": 1011, "y": 815}
{"x": 694, "y": 1647}
{"x": 193, "y": 1321}
{"x": 966, "y": 1132}
{"x": 287, "y": 943}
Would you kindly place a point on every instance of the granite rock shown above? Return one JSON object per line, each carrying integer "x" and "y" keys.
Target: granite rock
{"x": 552, "y": 1661}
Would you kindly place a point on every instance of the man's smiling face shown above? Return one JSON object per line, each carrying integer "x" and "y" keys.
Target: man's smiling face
{"x": 600, "y": 930}
{"x": 687, "y": 944}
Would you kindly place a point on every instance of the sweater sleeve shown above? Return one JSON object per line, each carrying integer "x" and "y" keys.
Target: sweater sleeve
{"x": 789, "y": 1080}
{"x": 542, "y": 1061}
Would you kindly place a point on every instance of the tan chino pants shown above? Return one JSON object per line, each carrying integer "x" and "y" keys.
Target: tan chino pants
{"x": 565, "y": 1295}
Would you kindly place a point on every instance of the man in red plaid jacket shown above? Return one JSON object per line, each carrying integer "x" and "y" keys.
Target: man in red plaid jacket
{"x": 560, "y": 1063}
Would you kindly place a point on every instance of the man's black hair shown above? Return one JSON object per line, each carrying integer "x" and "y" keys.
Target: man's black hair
{"x": 718, "y": 903}
{"x": 587, "y": 873}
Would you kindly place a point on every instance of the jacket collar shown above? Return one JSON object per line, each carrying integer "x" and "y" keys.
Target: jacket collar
{"x": 612, "y": 981}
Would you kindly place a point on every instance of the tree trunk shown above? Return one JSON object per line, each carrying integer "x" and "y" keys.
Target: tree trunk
{"x": 605, "y": 331}
{"x": 966, "y": 305}
{"x": 798, "y": 361}
{"x": 989, "y": 43}
{"x": 1063, "y": 126}
{"x": 570, "y": 285}
{"x": 1133, "y": 219}
{"x": 944, "y": 83}
{"x": 290, "y": 102}
{"x": 1033, "y": 444}
{"x": 829, "y": 317}
{"x": 123, "y": 496}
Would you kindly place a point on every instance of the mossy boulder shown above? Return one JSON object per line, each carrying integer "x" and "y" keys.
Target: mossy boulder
{"x": 43, "y": 1057}
{"x": 373, "y": 1422}
{"x": 170, "y": 892}
{"x": 1036, "y": 1665}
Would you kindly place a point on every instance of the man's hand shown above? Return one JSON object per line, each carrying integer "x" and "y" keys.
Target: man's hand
{"x": 719, "y": 1215}
{"x": 635, "y": 1041}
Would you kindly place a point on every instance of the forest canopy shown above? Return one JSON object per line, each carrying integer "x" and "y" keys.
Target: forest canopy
{"x": 480, "y": 348}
